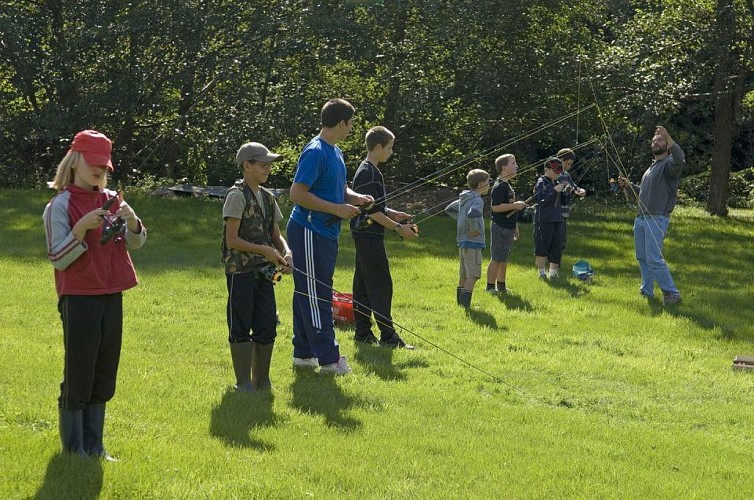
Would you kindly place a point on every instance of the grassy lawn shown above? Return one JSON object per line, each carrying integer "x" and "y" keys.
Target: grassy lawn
{"x": 599, "y": 393}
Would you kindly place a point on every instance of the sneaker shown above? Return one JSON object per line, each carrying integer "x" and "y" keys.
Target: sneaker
{"x": 396, "y": 341}
{"x": 554, "y": 274}
{"x": 339, "y": 368}
{"x": 543, "y": 275}
{"x": 491, "y": 291}
{"x": 671, "y": 298}
{"x": 504, "y": 291}
{"x": 366, "y": 339}
{"x": 645, "y": 295}
{"x": 310, "y": 363}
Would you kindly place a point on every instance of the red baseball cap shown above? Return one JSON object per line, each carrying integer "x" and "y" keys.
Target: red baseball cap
{"x": 95, "y": 147}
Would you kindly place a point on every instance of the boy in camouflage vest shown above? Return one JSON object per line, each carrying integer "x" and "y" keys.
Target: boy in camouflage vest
{"x": 252, "y": 247}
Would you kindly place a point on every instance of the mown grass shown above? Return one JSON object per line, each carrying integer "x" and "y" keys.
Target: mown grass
{"x": 596, "y": 393}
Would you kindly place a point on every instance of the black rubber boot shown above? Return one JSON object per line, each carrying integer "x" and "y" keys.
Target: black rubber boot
{"x": 94, "y": 424}
{"x": 465, "y": 298}
{"x": 458, "y": 295}
{"x": 261, "y": 356}
{"x": 241, "y": 355}
{"x": 71, "y": 424}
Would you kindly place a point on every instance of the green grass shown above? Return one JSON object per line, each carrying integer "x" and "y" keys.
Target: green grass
{"x": 599, "y": 393}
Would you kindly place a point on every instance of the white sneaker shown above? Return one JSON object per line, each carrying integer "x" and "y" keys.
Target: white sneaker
{"x": 554, "y": 274}
{"x": 339, "y": 368}
{"x": 311, "y": 363}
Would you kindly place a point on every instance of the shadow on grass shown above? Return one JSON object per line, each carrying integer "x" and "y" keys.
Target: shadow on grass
{"x": 71, "y": 476}
{"x": 515, "y": 301}
{"x": 320, "y": 394}
{"x": 567, "y": 286}
{"x": 238, "y": 414}
{"x": 379, "y": 361}
{"x": 482, "y": 318}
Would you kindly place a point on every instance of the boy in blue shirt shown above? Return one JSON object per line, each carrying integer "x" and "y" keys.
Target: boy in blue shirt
{"x": 319, "y": 192}
{"x": 468, "y": 213}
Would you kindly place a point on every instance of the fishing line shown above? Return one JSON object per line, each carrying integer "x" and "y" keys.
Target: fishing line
{"x": 486, "y": 152}
{"x": 383, "y": 320}
{"x": 622, "y": 170}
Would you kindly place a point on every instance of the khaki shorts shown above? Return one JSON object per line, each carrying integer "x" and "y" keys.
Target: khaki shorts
{"x": 471, "y": 263}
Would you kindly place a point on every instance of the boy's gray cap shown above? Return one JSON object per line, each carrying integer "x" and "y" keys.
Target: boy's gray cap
{"x": 254, "y": 151}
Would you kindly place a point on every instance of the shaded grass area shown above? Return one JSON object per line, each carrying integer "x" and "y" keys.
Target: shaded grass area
{"x": 561, "y": 389}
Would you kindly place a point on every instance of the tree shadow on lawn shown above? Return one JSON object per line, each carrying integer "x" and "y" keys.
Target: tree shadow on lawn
{"x": 320, "y": 394}
{"x": 71, "y": 476}
{"x": 238, "y": 414}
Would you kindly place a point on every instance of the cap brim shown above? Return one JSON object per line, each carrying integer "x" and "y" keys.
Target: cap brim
{"x": 268, "y": 158}
{"x": 97, "y": 159}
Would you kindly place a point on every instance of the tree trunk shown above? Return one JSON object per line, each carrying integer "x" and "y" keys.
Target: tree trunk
{"x": 725, "y": 110}
{"x": 722, "y": 141}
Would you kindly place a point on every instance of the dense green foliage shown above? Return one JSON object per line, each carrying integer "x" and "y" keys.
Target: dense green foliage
{"x": 599, "y": 393}
{"x": 180, "y": 84}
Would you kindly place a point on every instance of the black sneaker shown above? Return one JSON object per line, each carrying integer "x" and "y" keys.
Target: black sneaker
{"x": 368, "y": 338}
{"x": 396, "y": 342}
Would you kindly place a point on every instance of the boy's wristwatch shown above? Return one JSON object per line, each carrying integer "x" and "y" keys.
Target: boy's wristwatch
{"x": 397, "y": 228}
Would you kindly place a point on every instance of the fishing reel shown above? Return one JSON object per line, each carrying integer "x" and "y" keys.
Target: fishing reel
{"x": 115, "y": 226}
{"x": 565, "y": 178}
{"x": 271, "y": 273}
{"x": 362, "y": 221}
{"x": 115, "y": 229}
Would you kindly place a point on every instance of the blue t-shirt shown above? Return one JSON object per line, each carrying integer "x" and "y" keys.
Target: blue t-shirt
{"x": 322, "y": 169}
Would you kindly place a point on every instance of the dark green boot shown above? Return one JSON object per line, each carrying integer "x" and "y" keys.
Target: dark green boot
{"x": 465, "y": 298}
{"x": 458, "y": 295}
{"x": 241, "y": 355}
{"x": 71, "y": 424}
{"x": 94, "y": 424}
{"x": 261, "y": 356}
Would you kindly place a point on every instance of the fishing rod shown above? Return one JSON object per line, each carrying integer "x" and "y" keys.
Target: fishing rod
{"x": 461, "y": 163}
{"x": 364, "y": 221}
{"x": 481, "y": 154}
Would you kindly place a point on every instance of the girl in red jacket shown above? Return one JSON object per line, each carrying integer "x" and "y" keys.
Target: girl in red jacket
{"x": 88, "y": 234}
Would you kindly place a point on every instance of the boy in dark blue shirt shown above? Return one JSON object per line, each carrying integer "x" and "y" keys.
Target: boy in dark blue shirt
{"x": 504, "y": 226}
{"x": 548, "y": 219}
{"x": 372, "y": 282}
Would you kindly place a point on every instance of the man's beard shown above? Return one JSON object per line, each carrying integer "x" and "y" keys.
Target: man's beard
{"x": 658, "y": 150}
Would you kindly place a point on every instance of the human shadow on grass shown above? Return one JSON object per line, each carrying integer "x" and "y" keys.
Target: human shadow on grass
{"x": 319, "y": 394}
{"x": 482, "y": 318}
{"x": 239, "y": 414}
{"x": 515, "y": 301}
{"x": 71, "y": 476}
{"x": 566, "y": 285}
{"x": 379, "y": 361}
{"x": 688, "y": 311}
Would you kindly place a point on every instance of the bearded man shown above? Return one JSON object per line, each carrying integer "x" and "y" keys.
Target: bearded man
{"x": 657, "y": 194}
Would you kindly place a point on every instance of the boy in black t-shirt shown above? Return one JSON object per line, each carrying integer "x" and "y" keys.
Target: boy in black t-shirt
{"x": 504, "y": 226}
{"x": 372, "y": 282}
